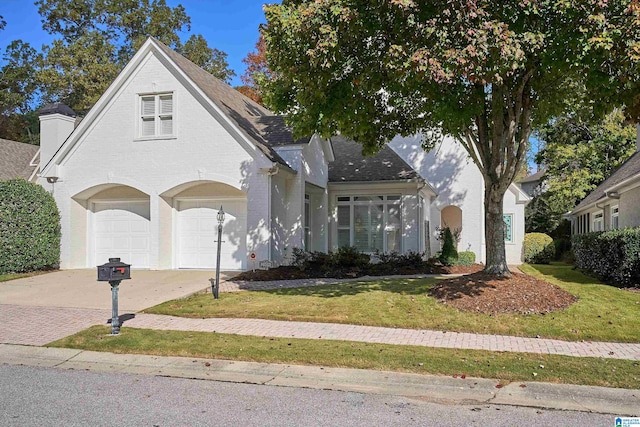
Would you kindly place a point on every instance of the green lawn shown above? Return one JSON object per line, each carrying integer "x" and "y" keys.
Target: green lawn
{"x": 603, "y": 313}
{"x": 472, "y": 363}
{"x": 13, "y": 276}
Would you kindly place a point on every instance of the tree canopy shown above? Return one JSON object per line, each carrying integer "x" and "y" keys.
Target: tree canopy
{"x": 484, "y": 72}
{"x": 578, "y": 154}
{"x": 94, "y": 41}
{"x": 258, "y": 73}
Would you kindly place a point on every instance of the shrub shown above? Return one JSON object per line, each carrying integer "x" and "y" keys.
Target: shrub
{"x": 29, "y": 228}
{"x": 410, "y": 259}
{"x": 538, "y": 248}
{"x": 563, "y": 246}
{"x": 466, "y": 258}
{"x": 349, "y": 257}
{"x": 612, "y": 256}
{"x": 322, "y": 263}
{"x": 449, "y": 255}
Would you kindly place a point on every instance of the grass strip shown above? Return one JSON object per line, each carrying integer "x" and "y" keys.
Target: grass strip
{"x": 503, "y": 366}
{"x": 603, "y": 313}
{"x": 13, "y": 276}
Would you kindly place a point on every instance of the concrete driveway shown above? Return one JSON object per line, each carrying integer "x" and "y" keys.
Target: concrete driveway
{"x": 79, "y": 289}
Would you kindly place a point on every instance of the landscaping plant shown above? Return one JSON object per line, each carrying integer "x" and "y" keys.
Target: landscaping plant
{"x": 538, "y": 248}
{"x": 29, "y": 228}
{"x": 449, "y": 255}
{"x": 612, "y": 256}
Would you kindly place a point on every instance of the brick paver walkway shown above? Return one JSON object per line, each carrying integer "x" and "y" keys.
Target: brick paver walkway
{"x": 427, "y": 338}
{"x": 41, "y": 325}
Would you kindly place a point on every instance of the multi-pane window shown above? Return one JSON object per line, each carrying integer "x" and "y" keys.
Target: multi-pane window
{"x": 508, "y": 227}
{"x": 598, "y": 222}
{"x": 370, "y": 223}
{"x": 615, "y": 213}
{"x": 307, "y": 222}
{"x": 156, "y": 115}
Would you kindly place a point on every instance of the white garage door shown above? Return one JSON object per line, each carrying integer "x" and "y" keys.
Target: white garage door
{"x": 121, "y": 230}
{"x": 198, "y": 234}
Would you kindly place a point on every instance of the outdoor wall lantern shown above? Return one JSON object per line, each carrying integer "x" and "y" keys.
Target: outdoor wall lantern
{"x": 215, "y": 286}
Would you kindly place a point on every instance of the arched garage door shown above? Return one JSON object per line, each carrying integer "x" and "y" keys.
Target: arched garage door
{"x": 197, "y": 230}
{"x": 121, "y": 229}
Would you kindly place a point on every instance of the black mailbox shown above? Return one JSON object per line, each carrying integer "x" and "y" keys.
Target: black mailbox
{"x": 114, "y": 270}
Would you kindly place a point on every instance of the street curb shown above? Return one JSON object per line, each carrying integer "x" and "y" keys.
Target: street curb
{"x": 621, "y": 402}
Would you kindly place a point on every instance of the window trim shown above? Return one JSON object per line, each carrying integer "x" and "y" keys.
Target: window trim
{"x": 598, "y": 217}
{"x": 511, "y": 240}
{"x": 157, "y": 116}
{"x": 615, "y": 215}
{"x": 351, "y": 202}
{"x": 306, "y": 226}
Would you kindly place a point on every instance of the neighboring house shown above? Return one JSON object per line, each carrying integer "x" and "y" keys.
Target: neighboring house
{"x": 615, "y": 203}
{"x": 534, "y": 184}
{"x": 144, "y": 174}
{"x": 18, "y": 160}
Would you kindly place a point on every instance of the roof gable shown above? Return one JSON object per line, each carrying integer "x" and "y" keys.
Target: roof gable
{"x": 249, "y": 122}
{"x": 350, "y": 165}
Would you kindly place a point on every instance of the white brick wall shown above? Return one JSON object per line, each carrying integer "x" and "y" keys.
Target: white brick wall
{"x": 458, "y": 182}
{"x": 202, "y": 150}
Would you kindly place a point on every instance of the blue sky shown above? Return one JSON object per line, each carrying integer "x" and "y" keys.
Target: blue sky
{"x": 228, "y": 25}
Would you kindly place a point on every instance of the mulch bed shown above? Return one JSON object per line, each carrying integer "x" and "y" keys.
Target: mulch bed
{"x": 457, "y": 269}
{"x": 484, "y": 293}
{"x": 290, "y": 272}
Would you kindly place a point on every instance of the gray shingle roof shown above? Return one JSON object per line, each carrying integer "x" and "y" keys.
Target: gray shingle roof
{"x": 351, "y": 166}
{"x": 259, "y": 124}
{"x": 626, "y": 170}
{"x": 15, "y": 158}
{"x": 534, "y": 176}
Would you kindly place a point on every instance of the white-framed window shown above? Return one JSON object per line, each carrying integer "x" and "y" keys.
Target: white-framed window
{"x": 598, "y": 221}
{"x": 615, "y": 213}
{"x": 307, "y": 222}
{"x": 156, "y": 115}
{"x": 370, "y": 223}
{"x": 507, "y": 220}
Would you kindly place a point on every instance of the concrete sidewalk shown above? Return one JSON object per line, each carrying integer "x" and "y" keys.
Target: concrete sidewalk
{"x": 619, "y": 402}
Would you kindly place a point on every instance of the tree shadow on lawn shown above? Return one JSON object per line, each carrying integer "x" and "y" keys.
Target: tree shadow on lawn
{"x": 400, "y": 286}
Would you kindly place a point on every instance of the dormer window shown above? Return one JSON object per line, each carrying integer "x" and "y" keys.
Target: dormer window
{"x": 156, "y": 115}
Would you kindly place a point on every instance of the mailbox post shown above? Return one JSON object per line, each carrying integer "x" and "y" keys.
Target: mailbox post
{"x": 114, "y": 272}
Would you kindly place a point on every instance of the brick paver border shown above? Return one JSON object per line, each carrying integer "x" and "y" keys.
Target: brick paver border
{"x": 417, "y": 337}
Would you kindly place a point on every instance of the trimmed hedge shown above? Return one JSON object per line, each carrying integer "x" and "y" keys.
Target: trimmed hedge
{"x": 612, "y": 256}
{"x": 538, "y": 248}
{"x": 466, "y": 258}
{"x": 29, "y": 228}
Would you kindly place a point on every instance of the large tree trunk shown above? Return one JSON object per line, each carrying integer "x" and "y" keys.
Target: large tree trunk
{"x": 494, "y": 229}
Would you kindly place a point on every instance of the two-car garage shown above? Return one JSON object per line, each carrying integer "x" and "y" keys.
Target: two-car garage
{"x": 125, "y": 227}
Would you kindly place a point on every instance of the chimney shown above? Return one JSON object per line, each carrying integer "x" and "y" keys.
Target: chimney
{"x": 57, "y": 121}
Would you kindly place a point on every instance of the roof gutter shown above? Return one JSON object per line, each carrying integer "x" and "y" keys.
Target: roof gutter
{"x": 622, "y": 184}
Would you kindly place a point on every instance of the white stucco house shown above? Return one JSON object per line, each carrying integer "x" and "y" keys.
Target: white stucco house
{"x": 144, "y": 174}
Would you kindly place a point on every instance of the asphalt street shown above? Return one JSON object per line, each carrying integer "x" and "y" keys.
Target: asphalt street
{"x": 37, "y": 396}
